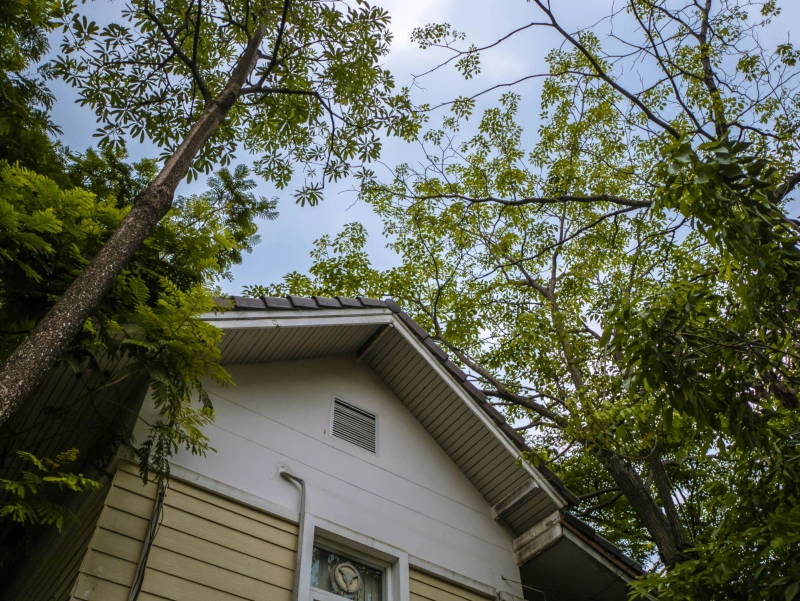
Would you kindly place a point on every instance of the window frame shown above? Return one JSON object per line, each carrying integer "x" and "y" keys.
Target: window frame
{"x": 393, "y": 561}
{"x": 318, "y": 594}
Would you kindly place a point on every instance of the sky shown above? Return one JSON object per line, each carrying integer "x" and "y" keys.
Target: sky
{"x": 286, "y": 242}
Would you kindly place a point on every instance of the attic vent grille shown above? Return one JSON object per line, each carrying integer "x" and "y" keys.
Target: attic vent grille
{"x": 354, "y": 425}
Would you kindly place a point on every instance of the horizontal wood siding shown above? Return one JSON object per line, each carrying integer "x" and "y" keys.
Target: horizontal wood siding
{"x": 425, "y": 587}
{"x": 52, "y": 572}
{"x": 207, "y": 547}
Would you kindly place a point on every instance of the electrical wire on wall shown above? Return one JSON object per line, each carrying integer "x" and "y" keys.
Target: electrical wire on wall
{"x": 152, "y": 530}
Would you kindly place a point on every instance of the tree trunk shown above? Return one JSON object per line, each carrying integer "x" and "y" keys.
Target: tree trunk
{"x": 664, "y": 487}
{"x": 25, "y": 369}
{"x": 631, "y": 485}
{"x": 670, "y": 546}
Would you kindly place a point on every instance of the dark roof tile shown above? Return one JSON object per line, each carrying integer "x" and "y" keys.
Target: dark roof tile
{"x": 327, "y": 303}
{"x": 372, "y": 302}
{"x": 350, "y": 303}
{"x": 413, "y": 325}
{"x": 499, "y": 417}
{"x": 301, "y": 302}
{"x": 474, "y": 390}
{"x": 244, "y": 302}
{"x": 274, "y": 302}
{"x": 453, "y": 369}
{"x": 392, "y": 304}
{"x": 436, "y": 349}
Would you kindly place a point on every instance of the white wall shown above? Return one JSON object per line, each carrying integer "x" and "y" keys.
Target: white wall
{"x": 409, "y": 495}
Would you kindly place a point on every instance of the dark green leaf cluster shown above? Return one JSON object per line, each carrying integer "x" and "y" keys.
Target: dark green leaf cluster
{"x": 28, "y": 500}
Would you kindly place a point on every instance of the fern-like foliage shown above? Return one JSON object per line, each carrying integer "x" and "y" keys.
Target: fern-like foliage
{"x": 29, "y": 497}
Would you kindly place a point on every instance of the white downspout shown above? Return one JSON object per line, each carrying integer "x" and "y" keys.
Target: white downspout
{"x": 286, "y": 475}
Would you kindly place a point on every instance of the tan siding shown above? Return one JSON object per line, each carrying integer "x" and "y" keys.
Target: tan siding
{"x": 425, "y": 587}
{"x": 53, "y": 571}
{"x": 207, "y": 547}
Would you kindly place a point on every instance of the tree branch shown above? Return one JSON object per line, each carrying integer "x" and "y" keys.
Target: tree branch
{"x": 604, "y": 76}
{"x": 192, "y": 65}
{"x": 565, "y": 198}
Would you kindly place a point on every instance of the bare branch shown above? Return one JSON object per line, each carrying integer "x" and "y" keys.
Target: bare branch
{"x": 588, "y": 511}
{"x": 566, "y": 198}
{"x": 598, "y": 493}
{"x": 604, "y": 76}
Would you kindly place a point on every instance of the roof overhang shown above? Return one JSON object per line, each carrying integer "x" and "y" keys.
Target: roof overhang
{"x": 455, "y": 413}
{"x": 563, "y": 558}
{"x": 556, "y": 552}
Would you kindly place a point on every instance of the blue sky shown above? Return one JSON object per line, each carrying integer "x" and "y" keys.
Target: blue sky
{"x": 286, "y": 242}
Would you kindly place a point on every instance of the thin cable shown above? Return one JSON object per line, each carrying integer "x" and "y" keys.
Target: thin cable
{"x": 152, "y": 531}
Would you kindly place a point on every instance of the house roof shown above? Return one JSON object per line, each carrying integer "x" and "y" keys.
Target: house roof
{"x": 342, "y": 305}
{"x": 289, "y": 303}
{"x": 343, "y": 325}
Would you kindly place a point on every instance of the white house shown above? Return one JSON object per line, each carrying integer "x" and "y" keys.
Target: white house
{"x": 353, "y": 461}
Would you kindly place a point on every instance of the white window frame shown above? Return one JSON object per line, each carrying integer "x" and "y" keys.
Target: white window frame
{"x": 323, "y": 595}
{"x": 320, "y": 532}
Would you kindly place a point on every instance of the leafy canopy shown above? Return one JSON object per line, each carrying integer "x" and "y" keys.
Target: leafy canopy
{"x": 27, "y": 499}
{"x": 626, "y": 286}
{"x": 317, "y": 95}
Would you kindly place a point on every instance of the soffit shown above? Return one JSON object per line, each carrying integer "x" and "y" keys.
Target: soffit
{"x": 415, "y": 369}
{"x": 563, "y": 546}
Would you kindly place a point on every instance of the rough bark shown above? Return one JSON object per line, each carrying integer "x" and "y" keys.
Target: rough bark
{"x": 25, "y": 369}
{"x": 664, "y": 487}
{"x": 645, "y": 507}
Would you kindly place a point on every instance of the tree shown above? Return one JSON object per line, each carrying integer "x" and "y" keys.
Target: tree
{"x": 292, "y": 81}
{"x": 149, "y": 318}
{"x": 25, "y": 125}
{"x": 626, "y": 288}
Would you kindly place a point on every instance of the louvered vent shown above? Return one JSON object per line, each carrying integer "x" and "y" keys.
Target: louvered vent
{"x": 354, "y": 425}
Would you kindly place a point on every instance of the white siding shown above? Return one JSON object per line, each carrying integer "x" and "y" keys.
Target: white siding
{"x": 409, "y": 494}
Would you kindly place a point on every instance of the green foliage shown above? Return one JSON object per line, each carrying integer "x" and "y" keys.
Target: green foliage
{"x": 150, "y": 316}
{"x": 620, "y": 291}
{"x": 753, "y": 549}
{"x": 317, "y": 95}
{"x": 25, "y": 125}
{"x": 28, "y": 499}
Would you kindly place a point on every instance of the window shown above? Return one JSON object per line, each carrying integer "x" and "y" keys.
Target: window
{"x": 345, "y": 576}
{"x": 382, "y": 568}
{"x": 354, "y": 425}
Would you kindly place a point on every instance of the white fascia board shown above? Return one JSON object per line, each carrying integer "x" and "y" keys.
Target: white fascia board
{"x": 480, "y": 413}
{"x": 298, "y": 318}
